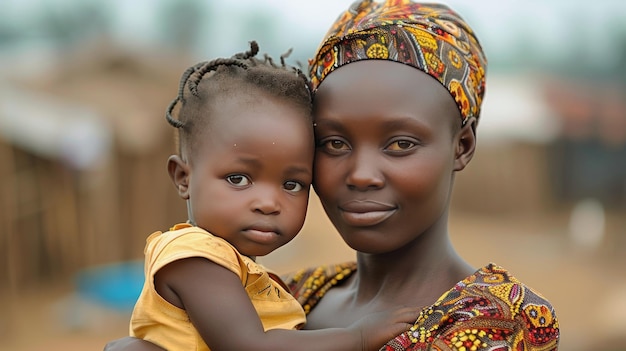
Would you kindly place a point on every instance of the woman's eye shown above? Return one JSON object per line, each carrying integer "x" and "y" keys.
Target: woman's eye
{"x": 293, "y": 186}
{"x": 238, "y": 180}
{"x": 337, "y": 144}
{"x": 334, "y": 145}
{"x": 401, "y": 145}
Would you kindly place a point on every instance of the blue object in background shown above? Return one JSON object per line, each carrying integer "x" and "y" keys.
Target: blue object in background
{"x": 116, "y": 286}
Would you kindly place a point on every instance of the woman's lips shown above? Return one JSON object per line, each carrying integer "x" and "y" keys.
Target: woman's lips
{"x": 365, "y": 213}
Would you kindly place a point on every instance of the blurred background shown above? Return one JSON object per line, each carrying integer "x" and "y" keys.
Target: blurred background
{"x": 84, "y": 143}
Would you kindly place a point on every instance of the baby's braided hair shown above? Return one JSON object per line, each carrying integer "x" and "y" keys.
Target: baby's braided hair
{"x": 202, "y": 85}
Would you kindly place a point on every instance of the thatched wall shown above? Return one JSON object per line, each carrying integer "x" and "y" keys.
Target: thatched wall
{"x": 55, "y": 217}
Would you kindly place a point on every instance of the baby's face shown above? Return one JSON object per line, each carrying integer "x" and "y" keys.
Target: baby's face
{"x": 250, "y": 178}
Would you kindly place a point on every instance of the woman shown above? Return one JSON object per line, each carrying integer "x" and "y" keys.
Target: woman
{"x": 398, "y": 91}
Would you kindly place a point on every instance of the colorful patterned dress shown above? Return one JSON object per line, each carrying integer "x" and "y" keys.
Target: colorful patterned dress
{"x": 489, "y": 310}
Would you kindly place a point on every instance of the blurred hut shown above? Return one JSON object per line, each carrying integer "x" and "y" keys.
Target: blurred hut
{"x": 83, "y": 149}
{"x": 588, "y": 160}
{"x": 509, "y": 172}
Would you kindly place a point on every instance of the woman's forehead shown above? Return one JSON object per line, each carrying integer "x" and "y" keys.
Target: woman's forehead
{"x": 379, "y": 84}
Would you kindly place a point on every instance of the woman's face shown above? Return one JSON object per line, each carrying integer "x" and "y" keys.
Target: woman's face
{"x": 386, "y": 137}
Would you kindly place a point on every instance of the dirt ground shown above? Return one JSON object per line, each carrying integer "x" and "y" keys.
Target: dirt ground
{"x": 587, "y": 286}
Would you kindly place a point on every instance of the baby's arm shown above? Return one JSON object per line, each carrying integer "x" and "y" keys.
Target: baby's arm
{"x": 221, "y": 311}
{"x": 130, "y": 343}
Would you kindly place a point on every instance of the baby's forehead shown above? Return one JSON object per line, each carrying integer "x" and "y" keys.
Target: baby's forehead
{"x": 250, "y": 113}
{"x": 255, "y": 130}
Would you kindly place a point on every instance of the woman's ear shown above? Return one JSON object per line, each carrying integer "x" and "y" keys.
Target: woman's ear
{"x": 465, "y": 144}
{"x": 179, "y": 173}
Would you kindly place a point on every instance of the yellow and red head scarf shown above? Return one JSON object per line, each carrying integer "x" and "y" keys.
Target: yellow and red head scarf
{"x": 430, "y": 37}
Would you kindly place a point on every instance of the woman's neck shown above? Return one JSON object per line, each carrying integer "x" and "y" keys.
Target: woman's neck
{"x": 416, "y": 274}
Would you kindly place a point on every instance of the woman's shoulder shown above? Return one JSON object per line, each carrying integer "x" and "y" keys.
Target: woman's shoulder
{"x": 496, "y": 286}
{"x": 488, "y": 309}
{"x": 309, "y": 285}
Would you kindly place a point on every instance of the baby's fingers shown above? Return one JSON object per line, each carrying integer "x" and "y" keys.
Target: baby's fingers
{"x": 403, "y": 319}
{"x": 406, "y": 314}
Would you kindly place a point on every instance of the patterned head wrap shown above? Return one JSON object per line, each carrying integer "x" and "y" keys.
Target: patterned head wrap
{"x": 430, "y": 37}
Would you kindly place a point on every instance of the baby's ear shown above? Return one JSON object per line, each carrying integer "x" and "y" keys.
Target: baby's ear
{"x": 179, "y": 173}
{"x": 465, "y": 144}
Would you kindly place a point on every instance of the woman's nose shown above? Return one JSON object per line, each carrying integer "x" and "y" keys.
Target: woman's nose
{"x": 364, "y": 173}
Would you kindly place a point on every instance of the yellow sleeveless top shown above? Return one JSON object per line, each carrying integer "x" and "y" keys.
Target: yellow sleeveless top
{"x": 156, "y": 320}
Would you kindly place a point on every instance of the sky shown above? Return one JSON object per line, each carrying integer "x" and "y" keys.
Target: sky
{"x": 557, "y": 27}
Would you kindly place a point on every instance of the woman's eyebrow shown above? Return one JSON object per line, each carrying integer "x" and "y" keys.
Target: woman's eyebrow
{"x": 402, "y": 121}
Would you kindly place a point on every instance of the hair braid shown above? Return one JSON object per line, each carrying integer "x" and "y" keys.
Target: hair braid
{"x": 284, "y": 56}
{"x": 269, "y": 60}
{"x": 193, "y": 75}
{"x": 254, "y": 49}
{"x": 197, "y": 76}
{"x": 183, "y": 80}
{"x": 246, "y": 69}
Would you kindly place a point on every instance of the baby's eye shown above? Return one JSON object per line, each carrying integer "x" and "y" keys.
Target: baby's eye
{"x": 401, "y": 145}
{"x": 239, "y": 180}
{"x": 293, "y": 186}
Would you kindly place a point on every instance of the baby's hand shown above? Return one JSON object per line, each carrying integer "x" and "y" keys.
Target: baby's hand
{"x": 378, "y": 328}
